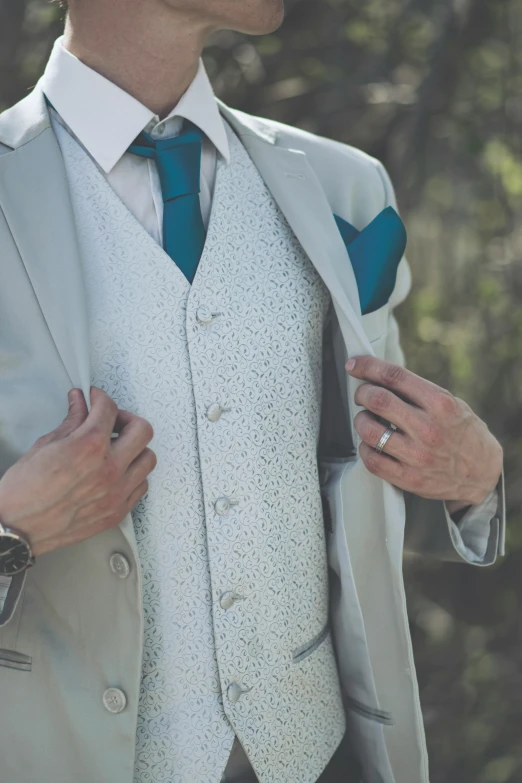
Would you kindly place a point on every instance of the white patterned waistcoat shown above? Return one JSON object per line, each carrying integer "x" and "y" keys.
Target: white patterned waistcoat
{"x": 230, "y": 533}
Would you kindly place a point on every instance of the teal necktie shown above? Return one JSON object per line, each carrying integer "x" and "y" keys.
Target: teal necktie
{"x": 178, "y": 161}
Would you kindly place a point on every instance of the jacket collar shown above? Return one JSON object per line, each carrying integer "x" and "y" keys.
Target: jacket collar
{"x": 24, "y": 121}
{"x": 247, "y": 125}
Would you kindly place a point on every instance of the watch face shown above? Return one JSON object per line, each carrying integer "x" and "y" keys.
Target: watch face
{"x": 14, "y": 555}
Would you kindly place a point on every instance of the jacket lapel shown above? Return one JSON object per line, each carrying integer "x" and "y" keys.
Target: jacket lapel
{"x": 301, "y": 198}
{"x": 34, "y": 197}
{"x": 36, "y": 204}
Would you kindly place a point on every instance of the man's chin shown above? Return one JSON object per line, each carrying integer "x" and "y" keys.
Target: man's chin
{"x": 269, "y": 18}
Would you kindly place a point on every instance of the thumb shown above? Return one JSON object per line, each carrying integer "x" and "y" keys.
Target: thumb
{"x": 76, "y": 414}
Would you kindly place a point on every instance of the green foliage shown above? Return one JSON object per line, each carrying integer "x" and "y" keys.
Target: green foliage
{"x": 434, "y": 89}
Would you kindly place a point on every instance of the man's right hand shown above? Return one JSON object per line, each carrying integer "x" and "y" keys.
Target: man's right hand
{"x": 78, "y": 481}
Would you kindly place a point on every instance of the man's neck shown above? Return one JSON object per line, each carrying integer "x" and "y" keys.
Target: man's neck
{"x": 153, "y": 57}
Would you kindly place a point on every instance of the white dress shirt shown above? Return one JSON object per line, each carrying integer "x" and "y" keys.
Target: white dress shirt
{"x": 105, "y": 120}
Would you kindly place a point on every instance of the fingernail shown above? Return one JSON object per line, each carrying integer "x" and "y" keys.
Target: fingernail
{"x": 350, "y": 364}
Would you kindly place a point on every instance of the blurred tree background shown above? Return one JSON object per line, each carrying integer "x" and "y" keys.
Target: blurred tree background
{"x": 434, "y": 89}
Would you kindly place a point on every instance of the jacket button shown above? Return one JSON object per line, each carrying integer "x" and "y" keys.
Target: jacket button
{"x": 114, "y": 700}
{"x": 227, "y": 600}
{"x": 214, "y": 412}
{"x": 119, "y": 565}
{"x": 234, "y": 692}
{"x": 222, "y": 506}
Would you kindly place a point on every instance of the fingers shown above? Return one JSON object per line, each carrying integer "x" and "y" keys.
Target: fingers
{"x": 130, "y": 460}
{"x": 403, "y": 382}
{"x": 388, "y": 406}
{"x": 123, "y": 419}
{"x": 371, "y": 430}
{"x": 136, "y": 495}
{"x": 78, "y": 410}
{"x": 102, "y": 415}
{"x": 76, "y": 416}
{"x": 141, "y": 467}
{"x": 402, "y": 476}
{"x": 135, "y": 433}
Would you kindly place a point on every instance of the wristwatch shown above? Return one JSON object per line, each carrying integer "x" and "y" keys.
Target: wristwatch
{"x": 15, "y": 552}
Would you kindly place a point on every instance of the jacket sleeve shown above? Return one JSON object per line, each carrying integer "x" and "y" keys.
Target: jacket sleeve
{"x": 11, "y": 589}
{"x": 479, "y": 537}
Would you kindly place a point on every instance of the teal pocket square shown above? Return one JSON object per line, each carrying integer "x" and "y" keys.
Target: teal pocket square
{"x": 375, "y": 253}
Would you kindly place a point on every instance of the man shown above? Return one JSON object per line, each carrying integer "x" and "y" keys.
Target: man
{"x": 184, "y": 261}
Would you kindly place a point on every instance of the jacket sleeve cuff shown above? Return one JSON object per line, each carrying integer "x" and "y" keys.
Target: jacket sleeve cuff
{"x": 11, "y": 589}
{"x": 479, "y": 536}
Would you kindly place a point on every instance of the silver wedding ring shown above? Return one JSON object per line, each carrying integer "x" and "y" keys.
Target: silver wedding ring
{"x": 384, "y": 439}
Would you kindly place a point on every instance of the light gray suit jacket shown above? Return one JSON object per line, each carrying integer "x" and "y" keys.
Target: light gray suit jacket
{"x": 68, "y": 630}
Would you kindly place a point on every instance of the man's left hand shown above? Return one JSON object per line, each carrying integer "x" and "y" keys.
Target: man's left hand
{"x": 441, "y": 449}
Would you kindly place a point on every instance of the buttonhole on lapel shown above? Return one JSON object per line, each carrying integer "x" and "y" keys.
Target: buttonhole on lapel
{"x": 294, "y": 176}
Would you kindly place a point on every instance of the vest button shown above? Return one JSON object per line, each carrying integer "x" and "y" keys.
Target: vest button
{"x": 114, "y": 700}
{"x": 222, "y": 506}
{"x": 119, "y": 565}
{"x": 234, "y": 692}
{"x": 214, "y": 412}
{"x": 227, "y": 600}
{"x": 204, "y": 315}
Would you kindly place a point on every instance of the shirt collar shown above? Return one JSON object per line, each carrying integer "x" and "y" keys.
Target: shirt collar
{"x": 106, "y": 119}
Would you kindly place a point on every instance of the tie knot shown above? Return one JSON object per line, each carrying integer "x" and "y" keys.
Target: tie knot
{"x": 178, "y": 160}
